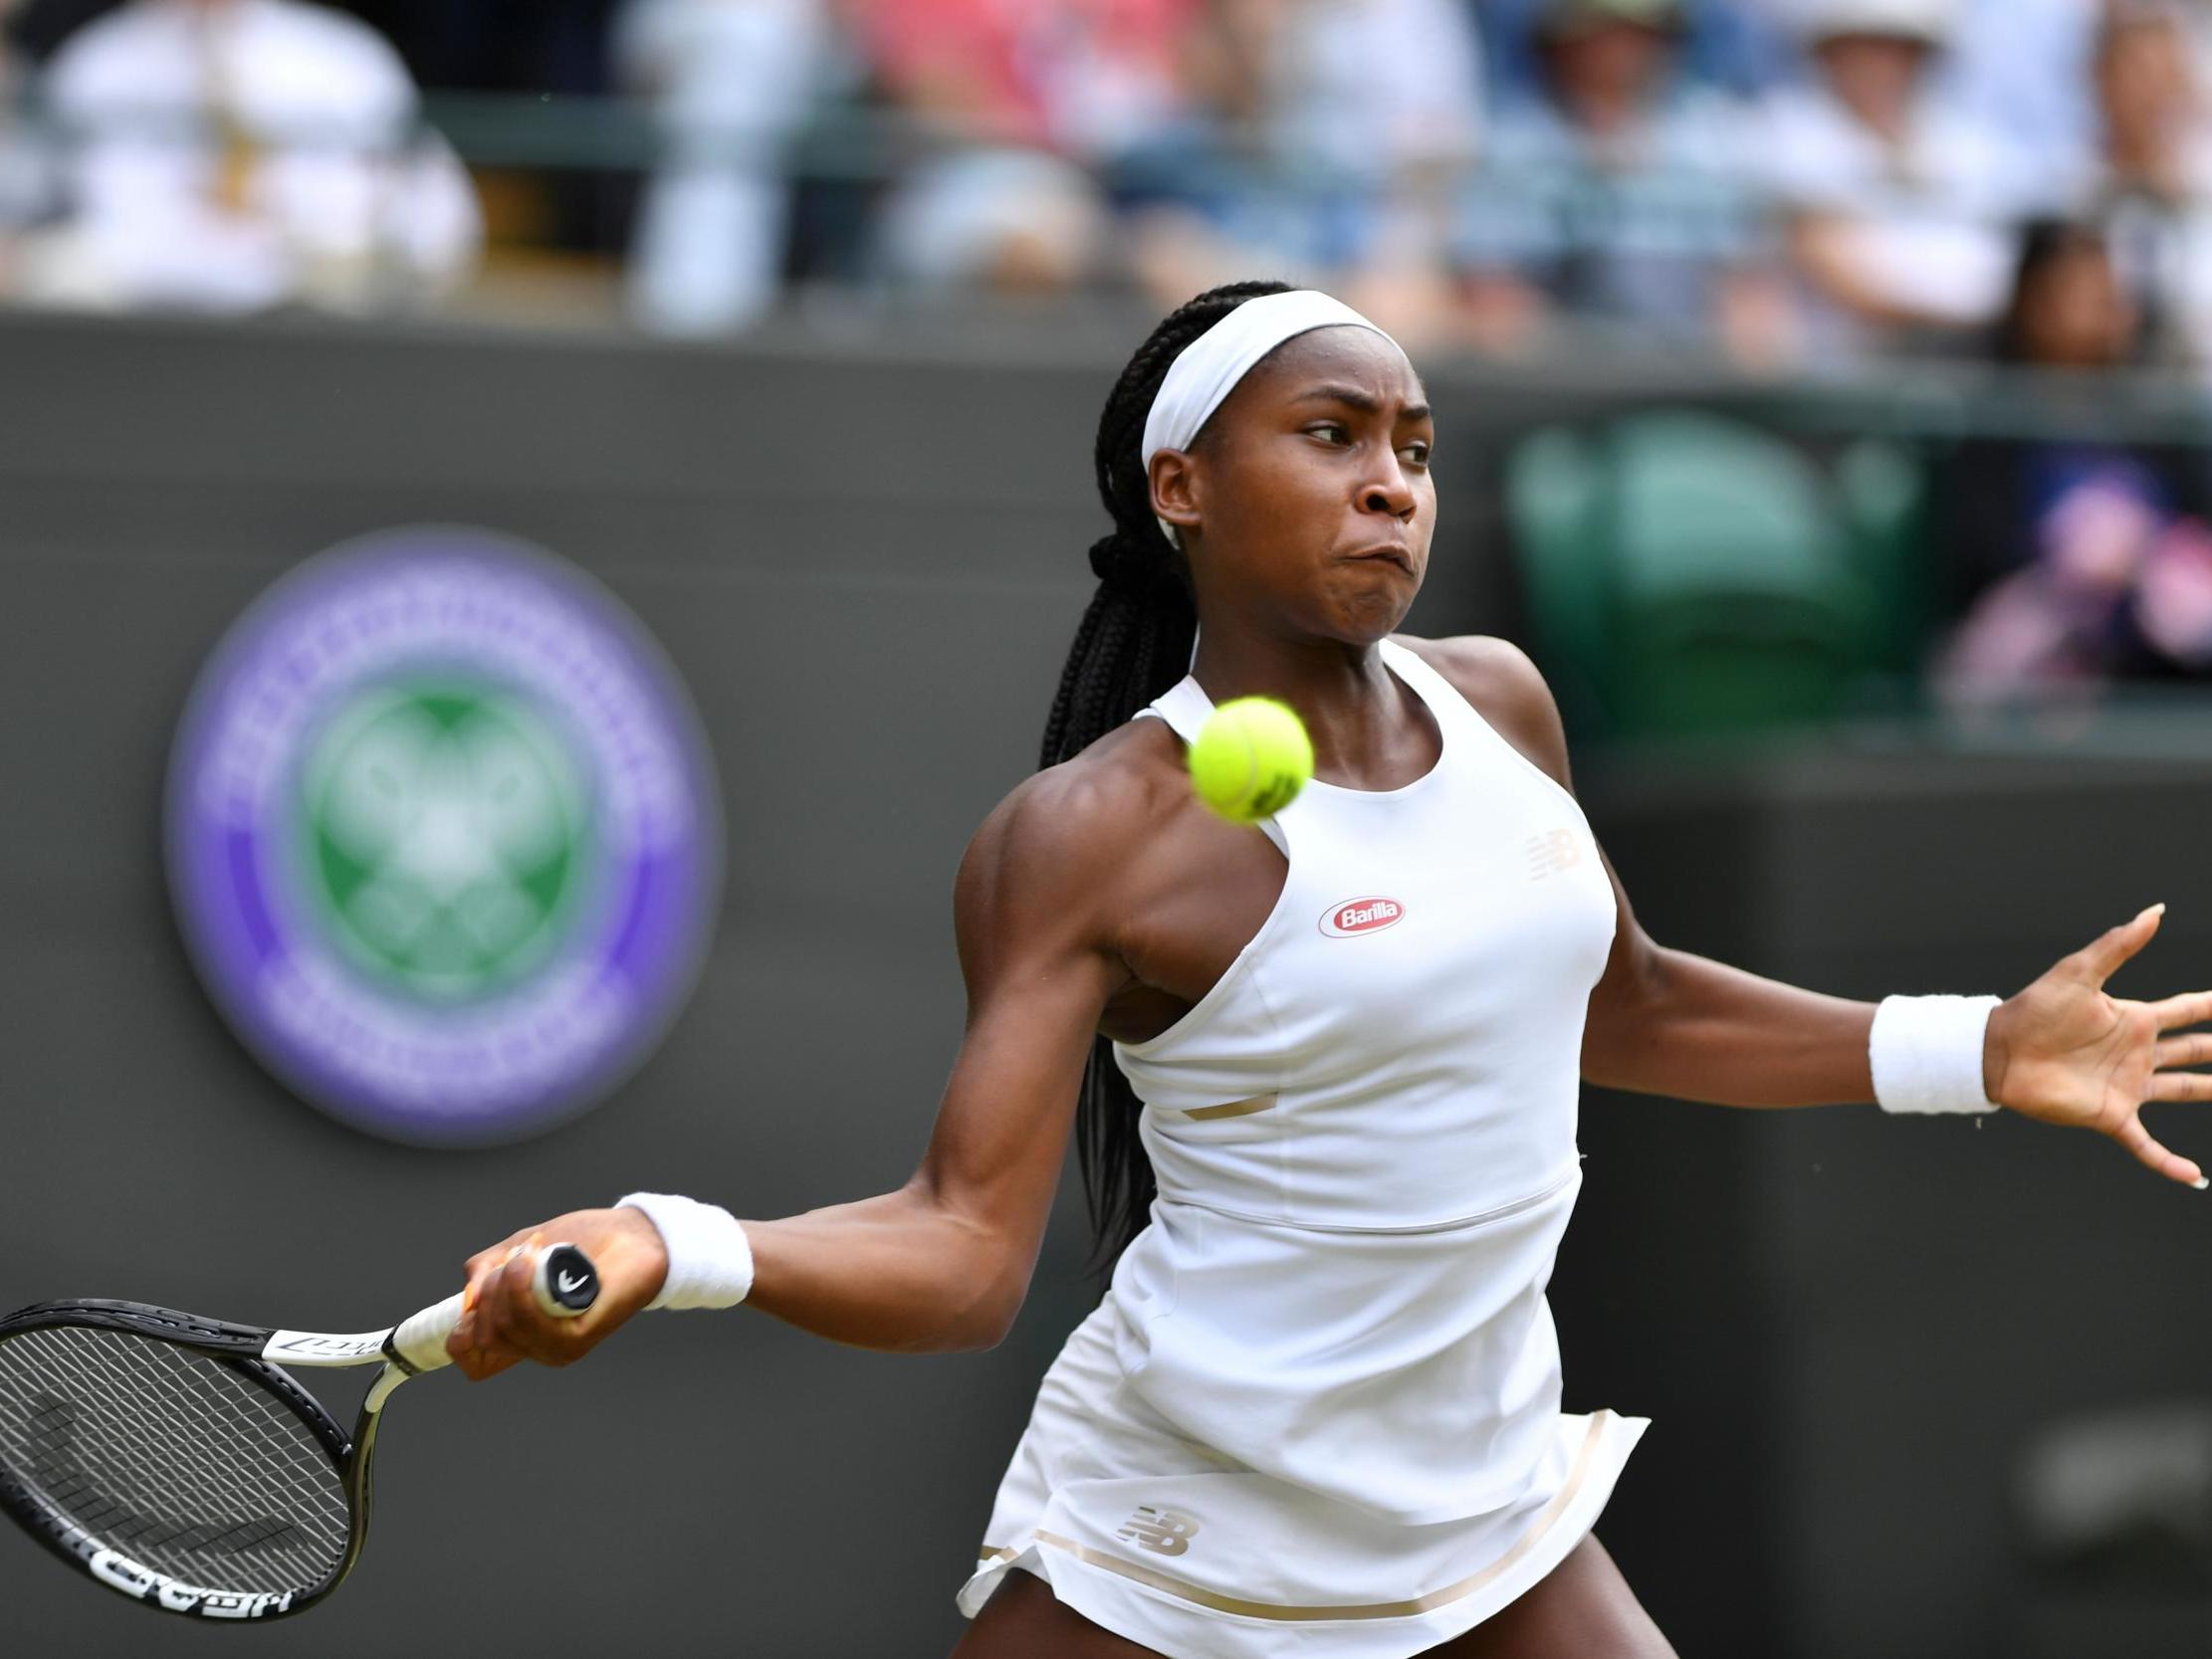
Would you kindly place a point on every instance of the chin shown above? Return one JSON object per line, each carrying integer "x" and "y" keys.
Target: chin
{"x": 1364, "y": 624}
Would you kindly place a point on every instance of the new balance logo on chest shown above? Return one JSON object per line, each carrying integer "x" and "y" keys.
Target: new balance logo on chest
{"x": 1552, "y": 852}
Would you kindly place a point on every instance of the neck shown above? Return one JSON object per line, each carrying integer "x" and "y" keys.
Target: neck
{"x": 1367, "y": 732}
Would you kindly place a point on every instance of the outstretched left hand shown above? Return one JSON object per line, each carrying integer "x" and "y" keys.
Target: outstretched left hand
{"x": 2064, "y": 1052}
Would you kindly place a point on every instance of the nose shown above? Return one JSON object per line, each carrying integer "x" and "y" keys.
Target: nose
{"x": 1390, "y": 490}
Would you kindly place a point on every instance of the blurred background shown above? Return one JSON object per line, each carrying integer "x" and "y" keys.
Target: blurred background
{"x": 1821, "y": 399}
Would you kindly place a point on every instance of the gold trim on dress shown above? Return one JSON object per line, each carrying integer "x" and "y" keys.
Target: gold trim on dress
{"x": 1187, "y": 1591}
{"x": 1235, "y": 1109}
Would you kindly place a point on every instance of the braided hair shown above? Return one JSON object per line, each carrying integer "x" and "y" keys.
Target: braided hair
{"x": 1133, "y": 644}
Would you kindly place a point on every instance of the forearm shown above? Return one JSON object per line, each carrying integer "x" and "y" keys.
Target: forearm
{"x": 895, "y": 1272}
{"x": 1700, "y": 1030}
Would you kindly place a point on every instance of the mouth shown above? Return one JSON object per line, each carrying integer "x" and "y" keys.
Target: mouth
{"x": 1388, "y": 554}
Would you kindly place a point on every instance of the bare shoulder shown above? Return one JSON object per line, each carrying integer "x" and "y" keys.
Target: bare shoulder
{"x": 1056, "y": 848}
{"x": 1507, "y": 690}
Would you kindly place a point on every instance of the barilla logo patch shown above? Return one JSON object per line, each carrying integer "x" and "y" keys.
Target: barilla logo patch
{"x": 1362, "y": 915}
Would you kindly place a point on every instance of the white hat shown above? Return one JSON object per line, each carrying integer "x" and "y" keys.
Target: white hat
{"x": 1922, "y": 19}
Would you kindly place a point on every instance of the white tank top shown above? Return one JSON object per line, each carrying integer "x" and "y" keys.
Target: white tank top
{"x": 1364, "y": 1137}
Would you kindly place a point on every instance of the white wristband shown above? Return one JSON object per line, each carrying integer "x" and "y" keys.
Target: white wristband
{"x": 1926, "y": 1053}
{"x": 710, "y": 1260}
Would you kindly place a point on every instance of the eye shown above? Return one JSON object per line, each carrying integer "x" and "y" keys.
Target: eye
{"x": 1418, "y": 452}
{"x": 1338, "y": 429}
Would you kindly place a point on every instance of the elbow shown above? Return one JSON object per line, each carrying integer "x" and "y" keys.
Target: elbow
{"x": 994, "y": 1318}
{"x": 989, "y": 1284}
{"x": 984, "y": 1338}
{"x": 972, "y": 1329}
{"x": 977, "y": 1332}
{"x": 978, "y": 1276}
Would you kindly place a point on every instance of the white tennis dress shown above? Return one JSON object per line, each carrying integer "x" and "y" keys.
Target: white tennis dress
{"x": 1317, "y": 1412}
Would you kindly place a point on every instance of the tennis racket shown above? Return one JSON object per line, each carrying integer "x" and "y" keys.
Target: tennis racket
{"x": 173, "y": 1458}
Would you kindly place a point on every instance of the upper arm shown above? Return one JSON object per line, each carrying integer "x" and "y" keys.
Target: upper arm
{"x": 1031, "y": 911}
{"x": 1508, "y": 691}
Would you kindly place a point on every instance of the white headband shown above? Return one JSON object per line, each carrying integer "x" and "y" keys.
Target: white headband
{"x": 1209, "y": 367}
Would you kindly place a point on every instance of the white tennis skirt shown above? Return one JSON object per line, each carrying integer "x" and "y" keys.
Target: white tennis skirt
{"x": 1160, "y": 1539}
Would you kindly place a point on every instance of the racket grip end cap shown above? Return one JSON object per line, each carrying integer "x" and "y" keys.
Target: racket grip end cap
{"x": 565, "y": 1283}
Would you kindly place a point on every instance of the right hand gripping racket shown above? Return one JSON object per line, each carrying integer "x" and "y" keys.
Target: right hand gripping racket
{"x": 173, "y": 1458}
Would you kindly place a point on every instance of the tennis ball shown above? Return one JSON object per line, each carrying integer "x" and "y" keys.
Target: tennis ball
{"x": 1252, "y": 758}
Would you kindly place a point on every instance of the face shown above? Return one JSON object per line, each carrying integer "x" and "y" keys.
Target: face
{"x": 2073, "y": 313}
{"x": 1608, "y": 63}
{"x": 1305, "y": 504}
{"x": 2143, "y": 79}
{"x": 1876, "y": 76}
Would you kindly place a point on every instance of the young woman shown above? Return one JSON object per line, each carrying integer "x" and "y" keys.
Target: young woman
{"x": 1317, "y": 1411}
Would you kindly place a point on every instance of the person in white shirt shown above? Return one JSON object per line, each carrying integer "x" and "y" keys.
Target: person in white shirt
{"x": 1322, "y": 137}
{"x": 1614, "y": 193}
{"x": 1898, "y": 202}
{"x": 730, "y": 81}
{"x": 2151, "y": 180}
{"x": 230, "y": 155}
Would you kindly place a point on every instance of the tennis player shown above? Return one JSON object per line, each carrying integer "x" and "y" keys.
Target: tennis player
{"x": 1323, "y": 1072}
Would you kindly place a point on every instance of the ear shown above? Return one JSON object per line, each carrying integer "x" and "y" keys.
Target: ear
{"x": 1175, "y": 487}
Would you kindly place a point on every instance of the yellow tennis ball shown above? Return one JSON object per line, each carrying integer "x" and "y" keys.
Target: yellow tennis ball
{"x": 1252, "y": 758}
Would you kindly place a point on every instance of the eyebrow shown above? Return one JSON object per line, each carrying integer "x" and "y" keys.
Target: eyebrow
{"x": 1357, "y": 399}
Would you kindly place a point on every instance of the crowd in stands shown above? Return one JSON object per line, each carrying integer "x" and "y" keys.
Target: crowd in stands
{"x": 1790, "y": 180}
{"x": 1790, "y": 184}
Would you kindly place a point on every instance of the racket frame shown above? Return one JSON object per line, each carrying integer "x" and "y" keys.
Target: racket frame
{"x": 260, "y": 1355}
{"x": 239, "y": 1347}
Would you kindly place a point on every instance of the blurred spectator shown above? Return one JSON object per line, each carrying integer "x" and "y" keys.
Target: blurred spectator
{"x": 732, "y": 80}
{"x": 1743, "y": 47}
{"x": 1617, "y": 192}
{"x": 1016, "y": 96}
{"x": 2151, "y": 180}
{"x": 2077, "y": 561}
{"x": 1896, "y": 197}
{"x": 1321, "y": 139}
{"x": 2019, "y": 67}
{"x": 235, "y": 154}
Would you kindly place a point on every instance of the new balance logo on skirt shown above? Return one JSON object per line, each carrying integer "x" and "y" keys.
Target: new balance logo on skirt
{"x": 1361, "y": 915}
{"x": 1168, "y": 1530}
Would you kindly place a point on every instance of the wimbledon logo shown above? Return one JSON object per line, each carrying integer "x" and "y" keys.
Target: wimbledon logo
{"x": 443, "y": 836}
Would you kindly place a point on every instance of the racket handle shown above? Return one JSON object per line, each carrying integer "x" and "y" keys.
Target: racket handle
{"x": 564, "y": 1285}
{"x": 419, "y": 1343}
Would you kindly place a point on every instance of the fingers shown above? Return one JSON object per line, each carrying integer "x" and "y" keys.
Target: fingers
{"x": 476, "y": 1366}
{"x": 2179, "y": 1086}
{"x": 2102, "y": 957}
{"x": 501, "y": 1320}
{"x": 2189, "y": 1008}
{"x": 2193, "y": 1050}
{"x": 2173, "y": 1165}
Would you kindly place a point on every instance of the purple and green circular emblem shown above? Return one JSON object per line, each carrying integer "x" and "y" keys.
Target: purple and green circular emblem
{"x": 443, "y": 836}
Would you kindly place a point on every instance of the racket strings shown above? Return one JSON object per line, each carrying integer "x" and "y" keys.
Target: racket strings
{"x": 172, "y": 1458}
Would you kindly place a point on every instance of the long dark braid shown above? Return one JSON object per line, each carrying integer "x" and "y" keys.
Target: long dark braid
{"x": 1133, "y": 644}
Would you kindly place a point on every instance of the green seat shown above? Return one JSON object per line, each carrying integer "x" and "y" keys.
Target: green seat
{"x": 1689, "y": 574}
